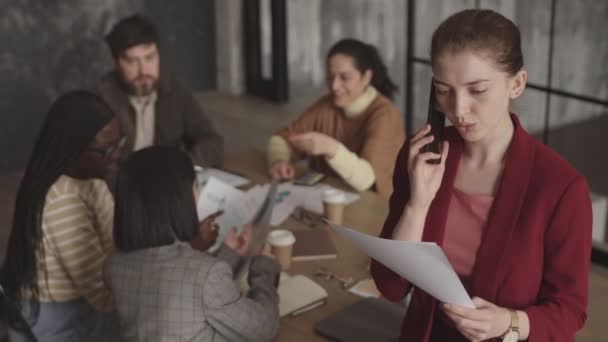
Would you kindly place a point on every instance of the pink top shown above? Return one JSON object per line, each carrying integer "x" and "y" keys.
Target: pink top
{"x": 466, "y": 219}
{"x": 467, "y": 216}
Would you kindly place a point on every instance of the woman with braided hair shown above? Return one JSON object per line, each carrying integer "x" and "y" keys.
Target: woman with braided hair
{"x": 62, "y": 225}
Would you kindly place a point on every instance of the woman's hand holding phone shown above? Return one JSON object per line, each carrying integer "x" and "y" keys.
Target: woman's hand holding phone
{"x": 425, "y": 178}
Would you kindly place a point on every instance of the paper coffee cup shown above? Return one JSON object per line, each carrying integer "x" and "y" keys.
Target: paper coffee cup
{"x": 333, "y": 205}
{"x": 281, "y": 242}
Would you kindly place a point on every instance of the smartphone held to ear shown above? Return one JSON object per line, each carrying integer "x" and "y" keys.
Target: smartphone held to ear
{"x": 436, "y": 119}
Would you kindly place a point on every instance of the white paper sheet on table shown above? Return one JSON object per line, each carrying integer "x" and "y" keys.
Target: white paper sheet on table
{"x": 422, "y": 263}
{"x": 291, "y": 196}
{"x": 240, "y": 206}
{"x": 310, "y": 198}
{"x": 284, "y": 203}
{"x": 203, "y": 174}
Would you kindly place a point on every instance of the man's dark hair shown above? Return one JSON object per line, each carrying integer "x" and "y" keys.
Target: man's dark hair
{"x": 154, "y": 199}
{"x": 131, "y": 31}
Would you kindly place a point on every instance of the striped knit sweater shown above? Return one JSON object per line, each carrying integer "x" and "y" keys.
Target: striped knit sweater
{"x": 76, "y": 238}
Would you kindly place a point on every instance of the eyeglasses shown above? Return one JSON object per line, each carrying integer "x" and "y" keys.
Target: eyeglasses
{"x": 108, "y": 151}
{"x": 345, "y": 282}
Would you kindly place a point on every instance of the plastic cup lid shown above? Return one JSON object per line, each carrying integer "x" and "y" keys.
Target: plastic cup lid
{"x": 334, "y": 196}
{"x": 281, "y": 237}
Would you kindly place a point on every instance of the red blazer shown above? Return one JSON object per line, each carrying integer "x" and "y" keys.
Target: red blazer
{"x": 535, "y": 251}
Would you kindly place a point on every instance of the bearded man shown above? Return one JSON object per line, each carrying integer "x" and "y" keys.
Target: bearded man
{"x": 154, "y": 108}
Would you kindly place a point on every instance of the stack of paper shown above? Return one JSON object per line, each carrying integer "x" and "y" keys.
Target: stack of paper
{"x": 240, "y": 207}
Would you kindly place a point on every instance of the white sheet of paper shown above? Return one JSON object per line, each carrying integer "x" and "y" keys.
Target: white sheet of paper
{"x": 422, "y": 263}
{"x": 203, "y": 174}
{"x": 311, "y": 198}
{"x": 291, "y": 196}
{"x": 217, "y": 195}
{"x": 285, "y": 203}
{"x": 254, "y": 198}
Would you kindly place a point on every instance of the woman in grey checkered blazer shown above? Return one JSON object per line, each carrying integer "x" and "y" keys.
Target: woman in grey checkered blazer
{"x": 164, "y": 288}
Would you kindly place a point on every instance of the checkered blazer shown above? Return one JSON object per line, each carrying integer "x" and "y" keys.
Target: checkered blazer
{"x": 176, "y": 293}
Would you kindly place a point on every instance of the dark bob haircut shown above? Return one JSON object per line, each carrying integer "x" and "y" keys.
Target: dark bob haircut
{"x": 154, "y": 199}
{"x": 131, "y": 31}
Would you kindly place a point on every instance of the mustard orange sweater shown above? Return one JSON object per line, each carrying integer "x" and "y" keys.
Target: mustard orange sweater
{"x": 375, "y": 135}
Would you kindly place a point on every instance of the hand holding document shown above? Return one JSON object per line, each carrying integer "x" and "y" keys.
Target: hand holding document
{"x": 422, "y": 263}
{"x": 217, "y": 195}
{"x": 239, "y": 207}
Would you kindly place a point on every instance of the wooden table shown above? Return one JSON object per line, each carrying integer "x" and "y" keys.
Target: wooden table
{"x": 366, "y": 215}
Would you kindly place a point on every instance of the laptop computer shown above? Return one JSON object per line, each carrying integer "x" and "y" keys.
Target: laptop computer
{"x": 369, "y": 319}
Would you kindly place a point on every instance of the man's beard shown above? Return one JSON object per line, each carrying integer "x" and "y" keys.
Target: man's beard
{"x": 141, "y": 89}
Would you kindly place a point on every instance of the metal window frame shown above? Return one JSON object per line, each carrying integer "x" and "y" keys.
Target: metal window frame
{"x": 598, "y": 255}
{"x": 276, "y": 88}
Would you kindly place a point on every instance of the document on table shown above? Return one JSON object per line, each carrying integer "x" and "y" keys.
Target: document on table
{"x": 283, "y": 207}
{"x": 422, "y": 263}
{"x": 203, "y": 174}
{"x": 311, "y": 198}
{"x": 291, "y": 196}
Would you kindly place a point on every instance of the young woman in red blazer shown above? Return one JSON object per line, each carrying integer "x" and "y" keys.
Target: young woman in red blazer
{"x": 527, "y": 265}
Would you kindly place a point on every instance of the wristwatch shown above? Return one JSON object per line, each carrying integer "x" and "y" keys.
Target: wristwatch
{"x": 512, "y": 335}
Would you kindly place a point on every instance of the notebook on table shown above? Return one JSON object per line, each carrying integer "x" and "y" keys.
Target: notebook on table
{"x": 313, "y": 244}
{"x": 298, "y": 294}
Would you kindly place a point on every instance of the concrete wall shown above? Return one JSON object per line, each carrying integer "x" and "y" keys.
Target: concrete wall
{"x": 49, "y": 47}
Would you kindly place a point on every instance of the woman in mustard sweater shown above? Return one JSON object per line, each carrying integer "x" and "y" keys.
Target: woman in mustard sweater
{"x": 354, "y": 131}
